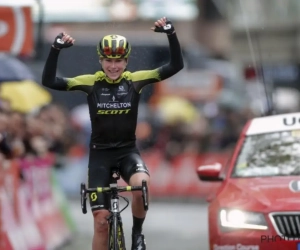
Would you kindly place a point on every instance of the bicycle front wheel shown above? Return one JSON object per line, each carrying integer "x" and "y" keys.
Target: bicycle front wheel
{"x": 116, "y": 235}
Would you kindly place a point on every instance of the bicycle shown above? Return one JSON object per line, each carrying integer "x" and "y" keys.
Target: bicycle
{"x": 116, "y": 234}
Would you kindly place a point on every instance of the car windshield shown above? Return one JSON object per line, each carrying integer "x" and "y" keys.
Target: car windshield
{"x": 271, "y": 154}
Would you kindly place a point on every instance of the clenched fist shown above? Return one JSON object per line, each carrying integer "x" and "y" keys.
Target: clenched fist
{"x": 62, "y": 41}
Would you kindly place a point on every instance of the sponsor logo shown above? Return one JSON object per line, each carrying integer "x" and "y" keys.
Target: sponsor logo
{"x": 122, "y": 91}
{"x": 167, "y": 27}
{"x": 113, "y": 112}
{"x": 58, "y": 40}
{"x": 114, "y": 105}
{"x": 115, "y": 205}
{"x": 141, "y": 170}
{"x": 235, "y": 247}
{"x": 97, "y": 206}
{"x": 291, "y": 121}
{"x": 93, "y": 196}
{"x": 16, "y": 31}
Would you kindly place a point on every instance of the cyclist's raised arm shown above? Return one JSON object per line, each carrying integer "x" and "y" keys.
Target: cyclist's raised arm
{"x": 172, "y": 67}
{"x": 49, "y": 78}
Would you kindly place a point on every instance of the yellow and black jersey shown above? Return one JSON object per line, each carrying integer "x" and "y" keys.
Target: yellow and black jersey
{"x": 113, "y": 105}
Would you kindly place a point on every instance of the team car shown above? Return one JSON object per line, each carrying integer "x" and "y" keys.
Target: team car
{"x": 256, "y": 205}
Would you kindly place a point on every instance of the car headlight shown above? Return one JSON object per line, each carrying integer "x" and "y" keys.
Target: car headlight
{"x": 235, "y": 218}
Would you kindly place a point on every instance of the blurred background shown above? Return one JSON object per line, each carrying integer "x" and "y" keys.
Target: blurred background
{"x": 230, "y": 48}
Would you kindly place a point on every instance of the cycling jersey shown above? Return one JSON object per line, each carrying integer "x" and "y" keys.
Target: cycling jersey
{"x": 113, "y": 104}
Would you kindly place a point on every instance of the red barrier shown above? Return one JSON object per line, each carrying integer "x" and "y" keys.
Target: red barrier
{"x": 30, "y": 218}
{"x": 3, "y": 241}
{"x": 40, "y": 200}
{"x": 13, "y": 235}
{"x": 179, "y": 177}
{"x": 27, "y": 222}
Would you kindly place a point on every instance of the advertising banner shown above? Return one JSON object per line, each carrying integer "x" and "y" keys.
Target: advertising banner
{"x": 16, "y": 30}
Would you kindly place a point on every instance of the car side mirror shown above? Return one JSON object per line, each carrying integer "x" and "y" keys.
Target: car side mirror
{"x": 210, "y": 172}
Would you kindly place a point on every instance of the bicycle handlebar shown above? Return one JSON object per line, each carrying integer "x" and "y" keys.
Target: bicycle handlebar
{"x": 119, "y": 189}
{"x": 109, "y": 189}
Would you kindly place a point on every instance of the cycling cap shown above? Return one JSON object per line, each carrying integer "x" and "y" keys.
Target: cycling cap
{"x": 114, "y": 46}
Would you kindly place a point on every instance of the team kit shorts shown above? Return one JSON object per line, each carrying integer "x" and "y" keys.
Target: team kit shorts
{"x": 127, "y": 159}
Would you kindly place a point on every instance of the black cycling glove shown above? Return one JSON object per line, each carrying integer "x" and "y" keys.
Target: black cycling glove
{"x": 168, "y": 28}
{"x": 60, "y": 44}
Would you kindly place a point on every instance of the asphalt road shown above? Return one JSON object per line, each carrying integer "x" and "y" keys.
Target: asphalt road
{"x": 169, "y": 226}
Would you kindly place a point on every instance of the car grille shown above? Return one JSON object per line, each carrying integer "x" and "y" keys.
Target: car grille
{"x": 287, "y": 224}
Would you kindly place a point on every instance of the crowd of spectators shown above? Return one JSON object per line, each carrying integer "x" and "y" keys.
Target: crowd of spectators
{"x": 35, "y": 134}
{"x": 52, "y": 128}
{"x": 206, "y": 133}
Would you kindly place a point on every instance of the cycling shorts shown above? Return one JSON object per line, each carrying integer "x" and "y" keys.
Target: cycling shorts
{"x": 129, "y": 162}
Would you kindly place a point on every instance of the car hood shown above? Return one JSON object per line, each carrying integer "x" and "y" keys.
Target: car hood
{"x": 266, "y": 193}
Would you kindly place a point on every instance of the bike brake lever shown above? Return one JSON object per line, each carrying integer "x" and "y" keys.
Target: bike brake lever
{"x": 145, "y": 195}
{"x": 83, "y": 198}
